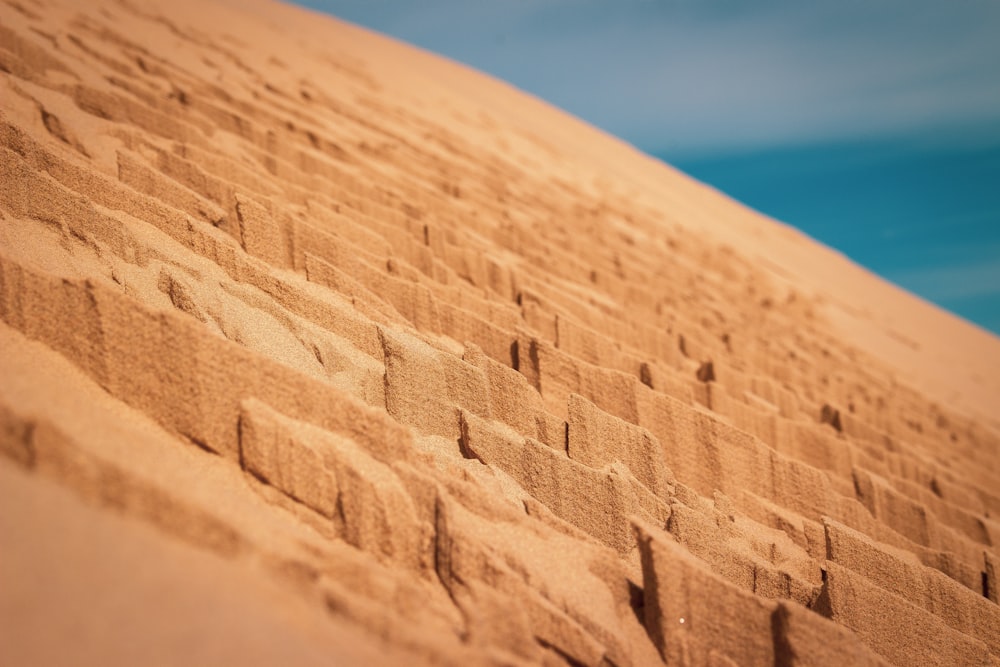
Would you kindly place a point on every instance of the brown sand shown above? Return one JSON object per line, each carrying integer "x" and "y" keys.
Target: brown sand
{"x": 317, "y": 348}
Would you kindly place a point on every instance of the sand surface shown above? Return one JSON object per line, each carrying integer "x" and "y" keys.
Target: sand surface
{"x": 319, "y": 349}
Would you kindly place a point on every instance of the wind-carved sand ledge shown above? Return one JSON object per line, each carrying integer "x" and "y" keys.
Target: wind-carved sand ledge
{"x": 318, "y": 348}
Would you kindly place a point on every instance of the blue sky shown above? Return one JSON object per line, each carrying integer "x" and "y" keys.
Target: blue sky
{"x": 873, "y": 126}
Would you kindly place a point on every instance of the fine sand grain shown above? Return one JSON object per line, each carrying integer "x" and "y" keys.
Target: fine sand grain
{"x": 319, "y": 349}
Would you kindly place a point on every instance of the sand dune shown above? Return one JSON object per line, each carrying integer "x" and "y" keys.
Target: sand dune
{"x": 316, "y": 347}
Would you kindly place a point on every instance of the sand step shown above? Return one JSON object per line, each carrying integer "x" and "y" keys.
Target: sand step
{"x": 901, "y": 573}
{"x": 901, "y": 632}
{"x": 697, "y": 618}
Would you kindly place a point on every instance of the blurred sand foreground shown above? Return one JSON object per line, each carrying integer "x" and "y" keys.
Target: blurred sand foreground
{"x": 319, "y": 349}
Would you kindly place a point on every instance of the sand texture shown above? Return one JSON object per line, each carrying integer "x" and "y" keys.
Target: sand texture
{"x": 319, "y": 349}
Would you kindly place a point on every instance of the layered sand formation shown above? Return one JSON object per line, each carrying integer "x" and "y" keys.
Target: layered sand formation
{"x": 317, "y": 348}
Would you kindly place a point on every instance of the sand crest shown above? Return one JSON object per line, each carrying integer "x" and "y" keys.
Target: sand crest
{"x": 316, "y": 347}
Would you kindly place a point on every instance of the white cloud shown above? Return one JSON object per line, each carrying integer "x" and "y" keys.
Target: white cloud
{"x": 952, "y": 283}
{"x": 698, "y": 76}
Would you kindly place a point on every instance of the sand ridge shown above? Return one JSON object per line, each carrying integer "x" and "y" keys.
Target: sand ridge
{"x": 331, "y": 341}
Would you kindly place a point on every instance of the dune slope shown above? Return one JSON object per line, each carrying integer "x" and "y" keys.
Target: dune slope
{"x": 316, "y": 347}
